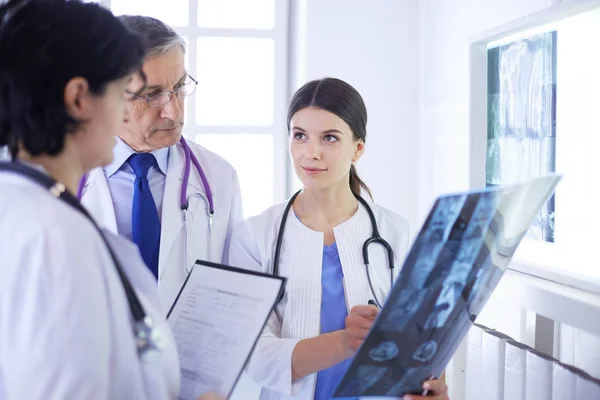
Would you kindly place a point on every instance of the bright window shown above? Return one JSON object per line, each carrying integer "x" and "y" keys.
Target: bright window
{"x": 251, "y": 156}
{"x": 236, "y": 14}
{"x": 237, "y": 53}
{"x": 236, "y": 84}
{"x": 174, "y": 13}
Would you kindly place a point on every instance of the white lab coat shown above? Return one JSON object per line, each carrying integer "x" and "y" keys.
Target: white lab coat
{"x": 253, "y": 247}
{"x": 172, "y": 261}
{"x": 65, "y": 323}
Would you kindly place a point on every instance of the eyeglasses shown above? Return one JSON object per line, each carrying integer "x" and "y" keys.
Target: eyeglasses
{"x": 162, "y": 98}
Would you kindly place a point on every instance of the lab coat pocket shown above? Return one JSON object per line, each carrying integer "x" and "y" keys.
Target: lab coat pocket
{"x": 196, "y": 235}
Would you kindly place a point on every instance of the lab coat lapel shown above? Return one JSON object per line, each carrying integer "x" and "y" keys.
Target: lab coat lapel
{"x": 304, "y": 284}
{"x": 98, "y": 201}
{"x": 350, "y": 237}
{"x": 172, "y": 217}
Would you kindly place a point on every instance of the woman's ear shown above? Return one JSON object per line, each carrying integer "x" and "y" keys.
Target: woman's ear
{"x": 360, "y": 149}
{"x": 78, "y": 99}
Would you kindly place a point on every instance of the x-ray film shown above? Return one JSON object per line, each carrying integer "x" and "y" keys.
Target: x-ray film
{"x": 454, "y": 264}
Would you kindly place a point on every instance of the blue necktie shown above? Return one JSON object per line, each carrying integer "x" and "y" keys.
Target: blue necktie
{"x": 144, "y": 217}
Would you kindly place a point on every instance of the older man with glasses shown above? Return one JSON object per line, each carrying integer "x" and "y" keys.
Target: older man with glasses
{"x": 177, "y": 201}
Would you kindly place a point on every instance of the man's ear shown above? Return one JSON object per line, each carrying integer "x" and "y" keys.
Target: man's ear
{"x": 77, "y": 97}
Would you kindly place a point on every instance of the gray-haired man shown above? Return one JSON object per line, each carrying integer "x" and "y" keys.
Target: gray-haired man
{"x": 146, "y": 194}
{"x": 179, "y": 222}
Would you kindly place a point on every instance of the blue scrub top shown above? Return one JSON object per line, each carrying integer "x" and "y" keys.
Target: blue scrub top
{"x": 333, "y": 318}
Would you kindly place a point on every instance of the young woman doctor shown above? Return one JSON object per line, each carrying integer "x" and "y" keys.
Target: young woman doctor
{"x": 308, "y": 343}
{"x": 79, "y": 312}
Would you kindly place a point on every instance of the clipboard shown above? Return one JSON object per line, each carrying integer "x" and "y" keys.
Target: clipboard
{"x": 220, "y": 308}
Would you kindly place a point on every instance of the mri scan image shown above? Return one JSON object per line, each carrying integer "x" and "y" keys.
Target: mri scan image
{"x": 426, "y": 351}
{"x": 403, "y": 309}
{"x": 452, "y": 268}
{"x": 451, "y": 292}
{"x": 368, "y": 375}
{"x": 384, "y": 351}
{"x": 410, "y": 383}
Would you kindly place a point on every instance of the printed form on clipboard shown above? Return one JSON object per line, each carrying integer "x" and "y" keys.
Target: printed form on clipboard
{"x": 216, "y": 320}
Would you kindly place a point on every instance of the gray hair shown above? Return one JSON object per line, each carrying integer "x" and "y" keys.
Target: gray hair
{"x": 158, "y": 36}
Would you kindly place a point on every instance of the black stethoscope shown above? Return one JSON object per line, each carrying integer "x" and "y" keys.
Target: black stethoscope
{"x": 147, "y": 336}
{"x": 375, "y": 238}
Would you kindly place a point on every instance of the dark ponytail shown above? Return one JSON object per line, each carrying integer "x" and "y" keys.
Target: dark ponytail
{"x": 341, "y": 99}
{"x": 356, "y": 184}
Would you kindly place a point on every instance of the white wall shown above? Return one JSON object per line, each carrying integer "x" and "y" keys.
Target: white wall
{"x": 373, "y": 46}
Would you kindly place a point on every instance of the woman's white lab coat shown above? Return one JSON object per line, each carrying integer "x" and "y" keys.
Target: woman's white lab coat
{"x": 65, "y": 323}
{"x": 253, "y": 247}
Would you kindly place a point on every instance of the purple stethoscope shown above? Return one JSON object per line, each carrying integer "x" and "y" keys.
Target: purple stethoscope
{"x": 184, "y": 200}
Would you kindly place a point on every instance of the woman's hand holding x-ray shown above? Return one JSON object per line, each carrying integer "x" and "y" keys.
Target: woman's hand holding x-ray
{"x": 358, "y": 323}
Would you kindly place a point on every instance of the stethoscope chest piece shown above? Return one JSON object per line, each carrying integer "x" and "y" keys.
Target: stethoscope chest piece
{"x": 149, "y": 340}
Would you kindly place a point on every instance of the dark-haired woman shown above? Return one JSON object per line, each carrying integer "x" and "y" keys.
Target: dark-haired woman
{"x": 325, "y": 313}
{"x": 79, "y": 312}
